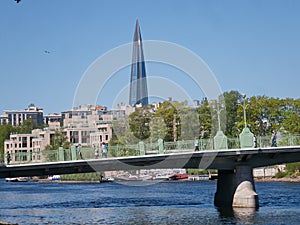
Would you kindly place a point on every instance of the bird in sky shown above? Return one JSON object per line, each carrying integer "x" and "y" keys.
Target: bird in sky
{"x": 17, "y": 1}
{"x": 47, "y": 52}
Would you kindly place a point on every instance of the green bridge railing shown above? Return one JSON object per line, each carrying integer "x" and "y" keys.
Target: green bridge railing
{"x": 141, "y": 148}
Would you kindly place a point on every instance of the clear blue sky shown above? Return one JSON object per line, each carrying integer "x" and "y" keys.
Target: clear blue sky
{"x": 251, "y": 46}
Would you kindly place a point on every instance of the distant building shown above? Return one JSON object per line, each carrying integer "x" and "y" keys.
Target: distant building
{"x": 28, "y": 147}
{"x": 196, "y": 103}
{"x": 85, "y": 125}
{"x": 138, "y": 81}
{"x": 53, "y": 119}
{"x": 17, "y": 117}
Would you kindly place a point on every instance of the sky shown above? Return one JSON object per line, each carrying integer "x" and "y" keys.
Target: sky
{"x": 46, "y": 46}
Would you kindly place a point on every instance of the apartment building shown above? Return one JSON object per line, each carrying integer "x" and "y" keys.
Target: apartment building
{"x": 17, "y": 117}
{"x": 85, "y": 125}
{"x": 28, "y": 147}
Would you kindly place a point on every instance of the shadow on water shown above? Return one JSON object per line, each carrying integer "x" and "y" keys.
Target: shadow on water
{"x": 237, "y": 215}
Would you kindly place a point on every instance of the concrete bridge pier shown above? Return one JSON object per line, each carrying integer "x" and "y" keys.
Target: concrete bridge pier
{"x": 235, "y": 188}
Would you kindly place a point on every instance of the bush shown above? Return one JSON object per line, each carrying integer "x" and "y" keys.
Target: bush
{"x": 281, "y": 174}
{"x": 95, "y": 176}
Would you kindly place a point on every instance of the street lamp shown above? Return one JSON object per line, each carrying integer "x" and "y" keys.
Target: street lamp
{"x": 244, "y": 106}
{"x": 246, "y": 137}
{"x": 220, "y": 140}
{"x": 218, "y": 110}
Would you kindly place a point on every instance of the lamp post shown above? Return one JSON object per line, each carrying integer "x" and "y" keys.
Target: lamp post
{"x": 246, "y": 137}
{"x": 220, "y": 140}
{"x": 218, "y": 113}
{"x": 244, "y": 106}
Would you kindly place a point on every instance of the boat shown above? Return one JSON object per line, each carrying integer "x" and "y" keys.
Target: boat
{"x": 202, "y": 177}
{"x": 162, "y": 177}
{"x": 17, "y": 179}
{"x": 179, "y": 176}
{"x": 54, "y": 177}
{"x": 131, "y": 177}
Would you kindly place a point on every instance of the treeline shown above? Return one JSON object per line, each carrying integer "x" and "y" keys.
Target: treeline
{"x": 174, "y": 121}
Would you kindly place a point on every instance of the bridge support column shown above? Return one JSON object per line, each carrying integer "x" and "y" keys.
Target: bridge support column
{"x": 235, "y": 188}
{"x": 225, "y": 188}
{"x": 245, "y": 195}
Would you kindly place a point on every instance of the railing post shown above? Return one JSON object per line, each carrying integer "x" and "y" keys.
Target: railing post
{"x": 220, "y": 141}
{"x": 73, "y": 153}
{"x": 61, "y": 156}
{"x": 160, "y": 143}
{"x": 246, "y": 138}
{"x": 142, "y": 148}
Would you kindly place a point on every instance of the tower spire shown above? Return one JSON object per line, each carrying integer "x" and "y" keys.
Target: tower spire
{"x": 138, "y": 82}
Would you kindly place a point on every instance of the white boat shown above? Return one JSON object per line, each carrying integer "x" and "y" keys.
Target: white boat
{"x": 162, "y": 176}
{"x": 54, "y": 177}
{"x": 17, "y": 179}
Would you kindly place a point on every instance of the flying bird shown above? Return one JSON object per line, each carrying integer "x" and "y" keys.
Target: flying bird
{"x": 17, "y": 1}
{"x": 47, "y": 52}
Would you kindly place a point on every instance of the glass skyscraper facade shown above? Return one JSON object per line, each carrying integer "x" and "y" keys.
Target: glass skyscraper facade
{"x": 138, "y": 81}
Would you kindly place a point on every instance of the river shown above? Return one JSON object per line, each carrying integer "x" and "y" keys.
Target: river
{"x": 161, "y": 203}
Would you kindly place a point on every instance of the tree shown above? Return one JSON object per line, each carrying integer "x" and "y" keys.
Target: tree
{"x": 190, "y": 126}
{"x": 157, "y": 128}
{"x": 291, "y": 117}
{"x": 231, "y": 104}
{"x": 205, "y": 120}
{"x": 27, "y": 126}
{"x": 168, "y": 113}
{"x": 5, "y": 131}
{"x": 139, "y": 122}
{"x": 58, "y": 139}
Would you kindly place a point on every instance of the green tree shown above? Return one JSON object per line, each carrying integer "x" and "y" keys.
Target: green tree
{"x": 139, "y": 122}
{"x": 58, "y": 139}
{"x": 27, "y": 126}
{"x": 122, "y": 134}
{"x": 190, "y": 126}
{"x": 5, "y": 131}
{"x": 205, "y": 120}
{"x": 168, "y": 112}
{"x": 291, "y": 116}
{"x": 231, "y": 104}
{"x": 157, "y": 128}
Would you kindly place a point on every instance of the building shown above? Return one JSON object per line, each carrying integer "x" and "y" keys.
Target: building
{"x": 91, "y": 125}
{"x": 28, "y": 147}
{"x": 51, "y": 119}
{"x": 17, "y": 117}
{"x": 138, "y": 82}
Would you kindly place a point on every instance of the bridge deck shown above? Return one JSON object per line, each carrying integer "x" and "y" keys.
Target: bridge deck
{"x": 210, "y": 159}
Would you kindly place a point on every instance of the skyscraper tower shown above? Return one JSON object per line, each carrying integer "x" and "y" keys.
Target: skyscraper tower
{"x": 138, "y": 82}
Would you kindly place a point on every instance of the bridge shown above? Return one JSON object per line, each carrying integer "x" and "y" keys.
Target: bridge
{"x": 235, "y": 186}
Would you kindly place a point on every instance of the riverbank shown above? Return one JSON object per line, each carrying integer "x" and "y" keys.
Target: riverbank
{"x": 283, "y": 179}
{"x": 266, "y": 179}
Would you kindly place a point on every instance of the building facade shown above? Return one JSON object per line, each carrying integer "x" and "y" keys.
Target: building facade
{"x": 17, "y": 117}
{"x": 28, "y": 147}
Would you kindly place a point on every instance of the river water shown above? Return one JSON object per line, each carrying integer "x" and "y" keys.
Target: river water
{"x": 161, "y": 203}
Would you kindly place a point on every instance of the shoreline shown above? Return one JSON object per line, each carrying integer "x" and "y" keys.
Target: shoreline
{"x": 266, "y": 179}
{"x": 283, "y": 179}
